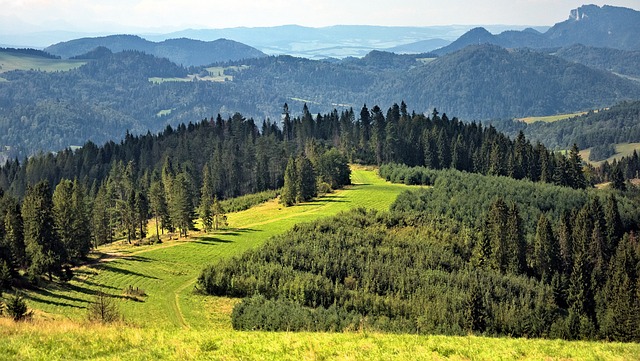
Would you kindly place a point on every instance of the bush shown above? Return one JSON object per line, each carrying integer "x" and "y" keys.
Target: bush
{"x": 103, "y": 309}
{"x": 17, "y": 308}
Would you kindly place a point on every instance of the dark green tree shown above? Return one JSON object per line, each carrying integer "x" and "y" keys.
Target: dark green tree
{"x": 306, "y": 180}
{"x": 290, "y": 190}
{"x": 45, "y": 253}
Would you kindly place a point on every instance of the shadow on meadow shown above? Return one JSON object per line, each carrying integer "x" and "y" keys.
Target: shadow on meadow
{"x": 111, "y": 268}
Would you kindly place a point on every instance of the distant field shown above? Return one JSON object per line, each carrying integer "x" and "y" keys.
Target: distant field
{"x": 622, "y": 150}
{"x": 551, "y": 118}
{"x": 9, "y": 62}
{"x": 216, "y": 73}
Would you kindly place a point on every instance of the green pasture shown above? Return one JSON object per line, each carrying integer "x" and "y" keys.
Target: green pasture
{"x": 9, "y": 62}
{"x": 622, "y": 150}
{"x": 550, "y": 118}
{"x": 72, "y": 341}
{"x": 216, "y": 73}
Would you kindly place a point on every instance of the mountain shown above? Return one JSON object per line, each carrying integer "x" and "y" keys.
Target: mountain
{"x": 591, "y": 25}
{"x": 338, "y": 41}
{"x": 132, "y": 90}
{"x": 623, "y": 62}
{"x": 183, "y": 51}
{"x": 607, "y": 26}
{"x": 422, "y": 46}
{"x": 486, "y": 81}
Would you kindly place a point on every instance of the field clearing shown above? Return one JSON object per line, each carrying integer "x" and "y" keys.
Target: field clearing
{"x": 9, "y": 62}
{"x": 622, "y": 150}
{"x": 550, "y": 118}
{"x": 216, "y": 74}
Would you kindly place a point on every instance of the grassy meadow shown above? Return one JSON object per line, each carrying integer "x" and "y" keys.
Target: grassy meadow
{"x": 550, "y": 118}
{"x": 622, "y": 150}
{"x": 172, "y": 322}
{"x": 9, "y": 62}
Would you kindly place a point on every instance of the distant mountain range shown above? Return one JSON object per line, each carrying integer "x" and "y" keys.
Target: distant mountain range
{"x": 187, "y": 52}
{"x": 591, "y": 25}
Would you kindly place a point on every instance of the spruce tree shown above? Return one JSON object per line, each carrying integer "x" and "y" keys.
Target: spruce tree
{"x": 45, "y": 254}
{"x": 290, "y": 190}
{"x": 206, "y": 201}
{"x": 546, "y": 260}
{"x": 306, "y": 180}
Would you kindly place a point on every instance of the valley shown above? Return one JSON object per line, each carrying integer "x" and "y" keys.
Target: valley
{"x": 371, "y": 191}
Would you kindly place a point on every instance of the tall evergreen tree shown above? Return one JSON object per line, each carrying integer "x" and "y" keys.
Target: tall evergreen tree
{"x": 546, "y": 260}
{"x": 306, "y": 180}
{"x": 45, "y": 254}
{"x": 290, "y": 190}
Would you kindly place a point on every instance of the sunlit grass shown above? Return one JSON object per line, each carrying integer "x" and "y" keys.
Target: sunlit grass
{"x": 10, "y": 62}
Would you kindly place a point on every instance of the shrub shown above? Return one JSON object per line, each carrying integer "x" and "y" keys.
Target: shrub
{"x": 17, "y": 308}
{"x": 103, "y": 309}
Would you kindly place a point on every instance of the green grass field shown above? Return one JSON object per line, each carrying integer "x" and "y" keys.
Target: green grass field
{"x": 622, "y": 150}
{"x": 551, "y": 118}
{"x": 9, "y": 62}
{"x": 216, "y": 73}
{"x": 173, "y": 322}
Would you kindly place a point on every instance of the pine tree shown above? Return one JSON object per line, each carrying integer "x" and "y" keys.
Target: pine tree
{"x": 497, "y": 224}
{"x": 218, "y": 214}
{"x": 45, "y": 253}
{"x": 158, "y": 203}
{"x": 181, "y": 203}
{"x": 206, "y": 201}
{"x": 613, "y": 230}
{"x": 474, "y": 309}
{"x": 516, "y": 243}
{"x": 290, "y": 190}
{"x": 546, "y": 262}
{"x": 306, "y": 180}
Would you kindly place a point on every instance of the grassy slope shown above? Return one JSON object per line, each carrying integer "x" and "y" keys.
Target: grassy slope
{"x": 9, "y": 62}
{"x": 167, "y": 272}
{"x": 622, "y": 150}
{"x": 174, "y": 323}
{"x": 550, "y": 118}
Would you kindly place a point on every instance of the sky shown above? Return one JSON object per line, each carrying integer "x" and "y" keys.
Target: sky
{"x": 18, "y": 16}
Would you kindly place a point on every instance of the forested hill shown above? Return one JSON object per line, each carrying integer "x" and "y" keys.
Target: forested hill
{"x": 187, "y": 52}
{"x": 618, "y": 124}
{"x": 114, "y": 92}
{"x": 591, "y": 25}
{"x": 624, "y": 62}
{"x": 486, "y": 81}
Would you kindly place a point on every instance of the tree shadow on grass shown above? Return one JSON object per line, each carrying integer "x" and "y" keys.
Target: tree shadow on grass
{"x": 55, "y": 303}
{"x": 137, "y": 258}
{"x": 98, "y": 285}
{"x": 210, "y": 240}
{"x": 47, "y": 293}
{"x": 109, "y": 267}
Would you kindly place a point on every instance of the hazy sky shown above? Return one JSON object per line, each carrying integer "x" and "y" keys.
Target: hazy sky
{"x": 163, "y": 15}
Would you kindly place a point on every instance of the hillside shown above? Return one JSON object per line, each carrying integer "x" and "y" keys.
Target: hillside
{"x": 101, "y": 100}
{"x": 623, "y": 62}
{"x": 486, "y": 81}
{"x": 186, "y": 52}
{"x": 618, "y": 124}
{"x": 590, "y": 25}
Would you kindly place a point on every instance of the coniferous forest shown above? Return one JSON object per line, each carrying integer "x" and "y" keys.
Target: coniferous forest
{"x": 506, "y": 238}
